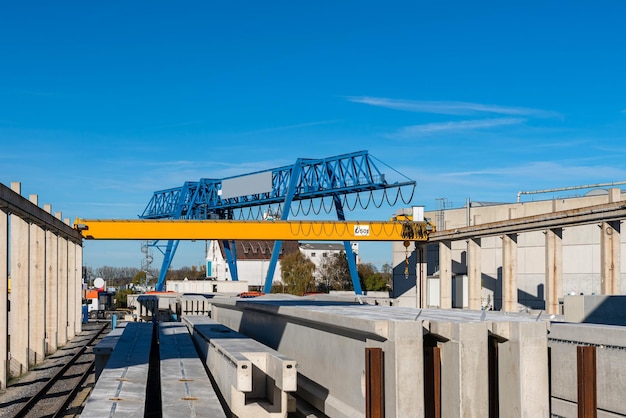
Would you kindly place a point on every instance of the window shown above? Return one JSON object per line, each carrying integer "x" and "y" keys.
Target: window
{"x": 312, "y": 254}
{"x": 324, "y": 254}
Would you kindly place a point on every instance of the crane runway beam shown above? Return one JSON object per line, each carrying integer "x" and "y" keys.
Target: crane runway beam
{"x": 177, "y": 229}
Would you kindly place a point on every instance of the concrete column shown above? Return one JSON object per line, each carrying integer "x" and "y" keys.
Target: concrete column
{"x": 62, "y": 277}
{"x": 36, "y": 291}
{"x": 71, "y": 289}
{"x": 509, "y": 272}
{"x": 523, "y": 381}
{"x": 20, "y": 316}
{"x": 610, "y": 263}
{"x": 52, "y": 292}
{"x": 554, "y": 269}
{"x": 4, "y": 298}
{"x": 445, "y": 274}
{"x": 79, "y": 288}
{"x": 421, "y": 273}
{"x": 464, "y": 371}
{"x": 615, "y": 195}
{"x": 474, "y": 273}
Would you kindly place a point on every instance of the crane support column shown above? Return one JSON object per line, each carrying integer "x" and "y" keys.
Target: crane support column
{"x": 474, "y": 272}
{"x": 291, "y": 192}
{"x": 554, "y": 269}
{"x": 509, "y": 272}
{"x": 610, "y": 250}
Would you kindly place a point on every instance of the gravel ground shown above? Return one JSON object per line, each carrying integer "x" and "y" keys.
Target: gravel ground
{"x": 21, "y": 389}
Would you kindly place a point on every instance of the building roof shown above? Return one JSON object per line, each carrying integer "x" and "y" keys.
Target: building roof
{"x": 321, "y": 246}
{"x": 259, "y": 250}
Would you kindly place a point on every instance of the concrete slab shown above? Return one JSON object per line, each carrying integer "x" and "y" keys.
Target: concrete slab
{"x": 185, "y": 386}
{"x": 121, "y": 389}
{"x": 104, "y": 348}
{"x": 252, "y": 378}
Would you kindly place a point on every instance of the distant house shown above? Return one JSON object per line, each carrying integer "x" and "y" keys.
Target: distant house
{"x": 319, "y": 252}
{"x": 253, "y": 259}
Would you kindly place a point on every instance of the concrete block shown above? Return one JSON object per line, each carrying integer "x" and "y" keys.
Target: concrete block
{"x": 595, "y": 309}
{"x": 464, "y": 377}
{"x": 523, "y": 381}
{"x": 121, "y": 389}
{"x": 253, "y": 379}
{"x": 185, "y": 386}
{"x": 610, "y": 342}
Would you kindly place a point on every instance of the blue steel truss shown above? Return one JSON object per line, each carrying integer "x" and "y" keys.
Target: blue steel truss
{"x": 307, "y": 179}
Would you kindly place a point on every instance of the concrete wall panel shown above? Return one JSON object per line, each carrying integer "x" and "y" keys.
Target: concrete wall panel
{"x": 4, "y": 298}
{"x": 62, "y": 323}
{"x": 19, "y": 315}
{"x": 328, "y": 341}
{"x": 37, "y": 293}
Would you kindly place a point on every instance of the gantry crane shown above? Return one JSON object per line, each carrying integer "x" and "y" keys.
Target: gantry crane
{"x": 266, "y": 193}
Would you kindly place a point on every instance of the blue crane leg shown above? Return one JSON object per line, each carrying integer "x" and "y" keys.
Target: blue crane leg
{"x": 291, "y": 192}
{"x": 231, "y": 257}
{"x": 350, "y": 256}
{"x": 168, "y": 256}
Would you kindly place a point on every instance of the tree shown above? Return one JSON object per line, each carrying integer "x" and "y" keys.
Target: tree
{"x": 335, "y": 273}
{"x": 139, "y": 278}
{"x": 297, "y": 273}
{"x": 371, "y": 278}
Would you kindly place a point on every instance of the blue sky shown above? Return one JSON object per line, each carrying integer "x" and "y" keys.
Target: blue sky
{"x": 102, "y": 103}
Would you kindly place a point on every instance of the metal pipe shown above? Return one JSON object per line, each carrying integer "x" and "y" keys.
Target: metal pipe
{"x": 561, "y": 189}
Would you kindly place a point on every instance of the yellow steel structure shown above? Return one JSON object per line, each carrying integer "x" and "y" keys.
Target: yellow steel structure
{"x": 393, "y": 230}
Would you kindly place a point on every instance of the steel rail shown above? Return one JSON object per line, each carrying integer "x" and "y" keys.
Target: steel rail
{"x": 54, "y": 379}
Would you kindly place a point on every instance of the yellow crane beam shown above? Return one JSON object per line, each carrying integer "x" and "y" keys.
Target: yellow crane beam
{"x": 394, "y": 230}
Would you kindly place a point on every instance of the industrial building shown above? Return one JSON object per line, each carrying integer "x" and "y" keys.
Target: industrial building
{"x": 577, "y": 270}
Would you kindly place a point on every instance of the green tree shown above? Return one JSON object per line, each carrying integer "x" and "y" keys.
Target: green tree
{"x": 297, "y": 273}
{"x": 121, "y": 298}
{"x": 371, "y": 278}
{"x": 139, "y": 278}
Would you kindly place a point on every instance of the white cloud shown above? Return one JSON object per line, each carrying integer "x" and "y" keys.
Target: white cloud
{"x": 286, "y": 127}
{"x": 450, "y": 108}
{"x": 458, "y": 126}
{"x": 570, "y": 172}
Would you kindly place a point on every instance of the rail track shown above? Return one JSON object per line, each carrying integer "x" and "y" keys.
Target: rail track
{"x": 66, "y": 384}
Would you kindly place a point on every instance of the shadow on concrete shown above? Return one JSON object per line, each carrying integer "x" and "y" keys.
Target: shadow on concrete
{"x": 602, "y": 309}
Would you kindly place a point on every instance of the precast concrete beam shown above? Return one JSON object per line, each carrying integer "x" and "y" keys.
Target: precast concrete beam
{"x": 464, "y": 372}
{"x": 71, "y": 290}
{"x": 62, "y": 320}
{"x": 610, "y": 257}
{"x": 121, "y": 387}
{"x": 78, "y": 296}
{"x": 253, "y": 378}
{"x": 52, "y": 292}
{"x": 185, "y": 385}
{"x": 509, "y": 272}
{"x": 554, "y": 269}
{"x": 610, "y": 342}
{"x": 4, "y": 298}
{"x": 13, "y": 203}
{"x": 20, "y": 310}
{"x": 37, "y": 292}
{"x": 474, "y": 273}
{"x": 328, "y": 340}
{"x": 523, "y": 382}
{"x": 421, "y": 273}
{"x": 445, "y": 274}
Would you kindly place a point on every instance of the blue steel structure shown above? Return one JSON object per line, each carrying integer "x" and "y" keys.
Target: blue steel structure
{"x": 305, "y": 181}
